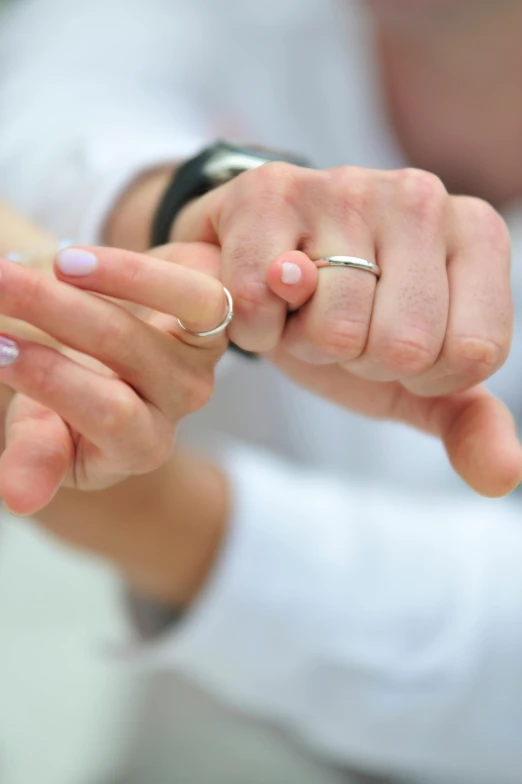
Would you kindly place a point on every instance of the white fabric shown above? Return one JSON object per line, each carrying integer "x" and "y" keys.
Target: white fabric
{"x": 365, "y": 600}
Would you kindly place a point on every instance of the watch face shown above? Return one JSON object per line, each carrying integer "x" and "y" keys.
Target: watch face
{"x": 228, "y": 161}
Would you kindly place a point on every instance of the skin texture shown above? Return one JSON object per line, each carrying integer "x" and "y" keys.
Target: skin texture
{"x": 161, "y": 529}
{"x": 422, "y": 325}
{"x": 91, "y": 423}
{"x": 439, "y": 321}
{"x": 109, "y": 410}
{"x": 477, "y": 430}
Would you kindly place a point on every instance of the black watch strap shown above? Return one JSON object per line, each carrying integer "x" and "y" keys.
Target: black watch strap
{"x": 193, "y": 179}
{"x": 189, "y": 182}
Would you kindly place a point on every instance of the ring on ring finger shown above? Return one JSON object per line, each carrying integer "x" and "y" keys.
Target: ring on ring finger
{"x": 221, "y": 327}
{"x": 349, "y": 262}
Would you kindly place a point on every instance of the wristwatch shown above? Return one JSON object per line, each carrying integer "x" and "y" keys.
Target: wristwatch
{"x": 214, "y": 166}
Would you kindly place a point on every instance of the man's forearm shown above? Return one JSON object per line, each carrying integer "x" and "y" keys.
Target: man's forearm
{"x": 162, "y": 531}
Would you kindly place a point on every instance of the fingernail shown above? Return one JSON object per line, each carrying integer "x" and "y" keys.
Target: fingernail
{"x": 75, "y": 261}
{"x": 290, "y": 273}
{"x": 14, "y": 257}
{"x": 9, "y": 352}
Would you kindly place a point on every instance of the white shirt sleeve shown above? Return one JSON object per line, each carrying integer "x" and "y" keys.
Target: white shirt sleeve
{"x": 112, "y": 87}
{"x": 384, "y": 631}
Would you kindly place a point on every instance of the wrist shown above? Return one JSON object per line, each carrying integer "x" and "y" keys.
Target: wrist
{"x": 162, "y": 532}
{"x": 177, "y": 553}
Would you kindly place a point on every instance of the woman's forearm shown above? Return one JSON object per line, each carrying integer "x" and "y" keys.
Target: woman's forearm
{"x": 162, "y": 531}
{"x": 19, "y": 234}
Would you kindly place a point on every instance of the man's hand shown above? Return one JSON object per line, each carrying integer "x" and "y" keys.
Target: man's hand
{"x": 440, "y": 318}
{"x": 438, "y": 322}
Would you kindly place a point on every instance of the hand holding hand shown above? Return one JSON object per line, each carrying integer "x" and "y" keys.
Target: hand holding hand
{"x": 437, "y": 323}
{"x": 110, "y": 408}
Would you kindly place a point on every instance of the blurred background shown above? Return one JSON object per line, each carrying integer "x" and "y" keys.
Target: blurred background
{"x": 75, "y": 708}
{"x": 72, "y": 711}
{"x": 64, "y": 704}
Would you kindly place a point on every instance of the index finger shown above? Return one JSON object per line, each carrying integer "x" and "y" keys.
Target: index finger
{"x": 171, "y": 288}
{"x": 253, "y": 222}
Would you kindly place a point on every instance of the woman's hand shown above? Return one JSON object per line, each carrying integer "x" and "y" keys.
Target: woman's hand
{"x": 90, "y": 419}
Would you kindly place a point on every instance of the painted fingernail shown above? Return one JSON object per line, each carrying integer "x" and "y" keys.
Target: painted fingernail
{"x": 17, "y": 257}
{"x": 9, "y": 352}
{"x": 290, "y": 273}
{"x": 75, "y": 261}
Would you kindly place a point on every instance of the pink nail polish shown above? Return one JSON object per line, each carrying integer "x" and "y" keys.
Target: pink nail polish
{"x": 290, "y": 273}
{"x": 9, "y": 352}
{"x": 77, "y": 262}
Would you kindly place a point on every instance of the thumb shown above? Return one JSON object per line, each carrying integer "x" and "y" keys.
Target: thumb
{"x": 37, "y": 456}
{"x": 293, "y": 277}
{"x": 480, "y": 436}
{"x": 477, "y": 430}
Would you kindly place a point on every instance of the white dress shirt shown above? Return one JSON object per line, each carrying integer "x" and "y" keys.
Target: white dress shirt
{"x": 365, "y": 600}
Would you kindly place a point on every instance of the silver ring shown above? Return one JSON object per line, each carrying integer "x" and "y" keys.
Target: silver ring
{"x": 351, "y": 262}
{"x": 220, "y": 327}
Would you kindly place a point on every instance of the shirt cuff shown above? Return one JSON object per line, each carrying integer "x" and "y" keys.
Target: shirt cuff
{"x": 111, "y": 179}
{"x": 248, "y": 604}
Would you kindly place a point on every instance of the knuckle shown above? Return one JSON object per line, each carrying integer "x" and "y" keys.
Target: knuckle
{"x": 121, "y": 413}
{"x": 475, "y": 356}
{"x": 355, "y": 188}
{"x": 484, "y": 220}
{"x": 341, "y": 338}
{"x": 250, "y": 294}
{"x": 424, "y": 193}
{"x": 44, "y": 373}
{"x": 113, "y": 336}
{"x": 247, "y": 279}
{"x": 247, "y": 284}
{"x": 274, "y": 181}
{"x": 406, "y": 356}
